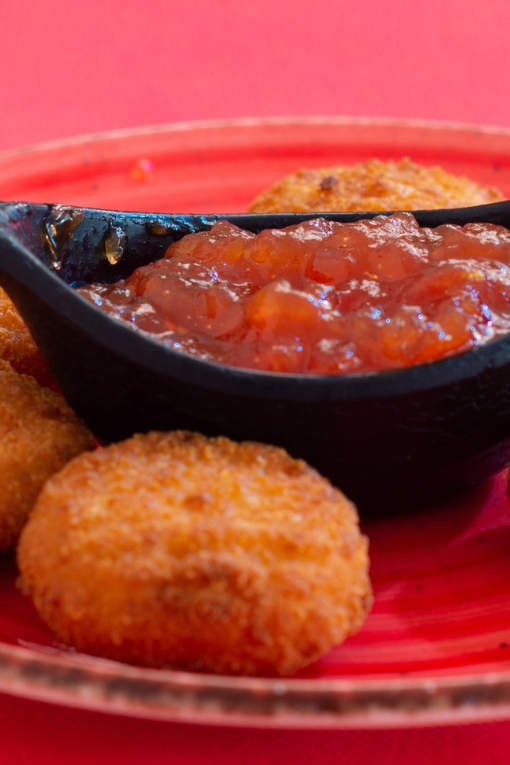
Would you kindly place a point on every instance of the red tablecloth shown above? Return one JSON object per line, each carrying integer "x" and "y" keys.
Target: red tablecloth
{"x": 44, "y": 734}
{"x": 69, "y": 68}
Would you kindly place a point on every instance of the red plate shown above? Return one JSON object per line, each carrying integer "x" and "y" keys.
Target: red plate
{"x": 436, "y": 647}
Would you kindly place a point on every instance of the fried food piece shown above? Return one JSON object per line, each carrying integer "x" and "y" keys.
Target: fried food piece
{"x": 175, "y": 550}
{"x": 373, "y": 185}
{"x": 39, "y": 433}
{"x": 17, "y": 346}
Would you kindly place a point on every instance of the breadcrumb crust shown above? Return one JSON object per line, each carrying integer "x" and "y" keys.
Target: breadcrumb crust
{"x": 174, "y": 550}
{"x": 373, "y": 185}
{"x": 17, "y": 345}
{"x": 39, "y": 433}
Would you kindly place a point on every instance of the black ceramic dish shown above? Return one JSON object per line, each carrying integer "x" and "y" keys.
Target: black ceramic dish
{"x": 385, "y": 438}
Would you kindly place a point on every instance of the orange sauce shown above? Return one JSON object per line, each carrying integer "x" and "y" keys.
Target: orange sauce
{"x": 322, "y": 297}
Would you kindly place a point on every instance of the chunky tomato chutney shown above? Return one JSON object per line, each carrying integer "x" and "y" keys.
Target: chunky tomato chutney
{"x": 322, "y": 297}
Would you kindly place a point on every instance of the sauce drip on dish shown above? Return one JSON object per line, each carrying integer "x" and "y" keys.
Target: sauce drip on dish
{"x": 322, "y": 297}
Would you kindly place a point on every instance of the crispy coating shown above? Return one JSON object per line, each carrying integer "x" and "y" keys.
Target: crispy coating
{"x": 373, "y": 185}
{"x": 39, "y": 433}
{"x": 174, "y": 550}
{"x": 17, "y": 346}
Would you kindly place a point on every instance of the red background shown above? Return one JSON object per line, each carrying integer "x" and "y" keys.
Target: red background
{"x": 77, "y": 67}
{"x": 72, "y": 67}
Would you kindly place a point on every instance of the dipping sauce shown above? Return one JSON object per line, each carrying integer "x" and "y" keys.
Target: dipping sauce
{"x": 322, "y": 297}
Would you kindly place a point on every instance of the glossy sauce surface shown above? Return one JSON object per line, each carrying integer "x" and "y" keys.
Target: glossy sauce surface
{"x": 322, "y": 297}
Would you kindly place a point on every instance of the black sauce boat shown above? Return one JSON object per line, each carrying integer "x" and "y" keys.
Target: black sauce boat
{"x": 387, "y": 439}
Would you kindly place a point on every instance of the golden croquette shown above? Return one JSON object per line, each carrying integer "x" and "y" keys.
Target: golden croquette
{"x": 17, "y": 346}
{"x": 373, "y": 185}
{"x": 175, "y": 550}
{"x": 39, "y": 433}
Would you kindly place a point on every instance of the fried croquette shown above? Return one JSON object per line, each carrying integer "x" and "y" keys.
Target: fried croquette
{"x": 17, "y": 346}
{"x": 373, "y": 185}
{"x": 39, "y": 433}
{"x": 174, "y": 550}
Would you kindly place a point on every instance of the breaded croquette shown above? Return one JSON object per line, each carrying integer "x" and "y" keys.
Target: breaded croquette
{"x": 175, "y": 550}
{"x": 373, "y": 185}
{"x": 38, "y": 434}
{"x": 17, "y": 346}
